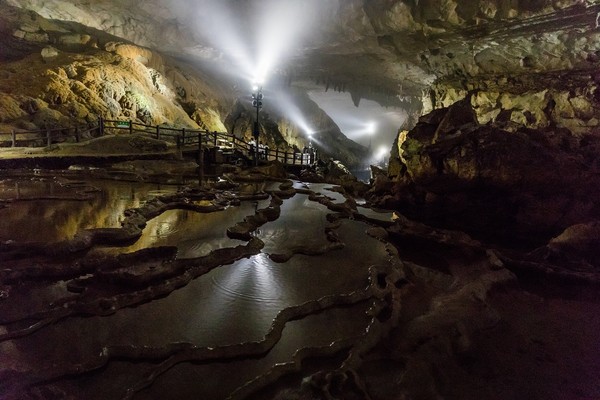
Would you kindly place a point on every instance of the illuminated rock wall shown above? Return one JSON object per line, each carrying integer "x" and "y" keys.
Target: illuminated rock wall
{"x": 78, "y": 78}
{"x": 531, "y": 63}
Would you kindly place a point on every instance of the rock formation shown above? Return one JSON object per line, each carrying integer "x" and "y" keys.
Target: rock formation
{"x": 529, "y": 63}
{"x": 479, "y": 281}
{"x": 85, "y": 74}
{"x": 438, "y": 306}
{"x": 385, "y": 47}
{"x": 499, "y": 179}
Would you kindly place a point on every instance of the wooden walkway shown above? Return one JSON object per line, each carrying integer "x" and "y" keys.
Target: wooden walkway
{"x": 222, "y": 146}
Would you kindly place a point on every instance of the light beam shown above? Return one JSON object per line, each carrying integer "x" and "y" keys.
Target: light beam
{"x": 256, "y": 37}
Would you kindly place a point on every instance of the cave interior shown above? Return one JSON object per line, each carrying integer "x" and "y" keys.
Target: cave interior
{"x": 424, "y": 224}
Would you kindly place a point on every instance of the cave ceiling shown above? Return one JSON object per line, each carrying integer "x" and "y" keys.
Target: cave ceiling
{"x": 382, "y": 50}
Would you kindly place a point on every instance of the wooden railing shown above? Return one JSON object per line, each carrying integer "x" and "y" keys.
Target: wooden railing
{"x": 183, "y": 138}
{"x": 47, "y": 137}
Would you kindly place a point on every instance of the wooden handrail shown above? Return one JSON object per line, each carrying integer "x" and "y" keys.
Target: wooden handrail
{"x": 182, "y": 136}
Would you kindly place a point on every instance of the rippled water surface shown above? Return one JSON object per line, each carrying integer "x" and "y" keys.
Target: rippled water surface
{"x": 231, "y": 304}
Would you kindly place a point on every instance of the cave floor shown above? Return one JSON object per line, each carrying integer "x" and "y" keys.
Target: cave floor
{"x": 274, "y": 289}
{"x": 548, "y": 349}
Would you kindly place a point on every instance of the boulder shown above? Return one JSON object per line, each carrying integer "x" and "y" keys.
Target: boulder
{"x": 75, "y": 39}
{"x": 524, "y": 183}
{"x": 310, "y": 175}
{"x": 49, "y": 52}
{"x": 576, "y": 246}
{"x": 380, "y": 183}
{"x": 459, "y": 114}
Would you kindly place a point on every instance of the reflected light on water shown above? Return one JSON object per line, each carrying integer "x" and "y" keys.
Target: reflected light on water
{"x": 251, "y": 279}
{"x": 195, "y": 234}
{"x": 233, "y": 303}
{"x": 73, "y": 206}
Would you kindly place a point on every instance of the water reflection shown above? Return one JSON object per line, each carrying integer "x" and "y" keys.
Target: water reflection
{"x": 303, "y": 224}
{"x": 250, "y": 279}
{"x": 326, "y": 190}
{"x": 48, "y": 211}
{"x": 217, "y": 380}
{"x": 231, "y": 304}
{"x": 187, "y": 381}
{"x": 195, "y": 234}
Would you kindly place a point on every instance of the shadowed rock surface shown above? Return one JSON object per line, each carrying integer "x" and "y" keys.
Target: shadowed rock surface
{"x": 504, "y": 183}
{"x": 427, "y": 305}
{"x": 467, "y": 269}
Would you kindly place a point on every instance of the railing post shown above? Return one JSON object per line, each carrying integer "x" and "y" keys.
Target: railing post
{"x": 130, "y": 127}
{"x": 179, "y": 148}
{"x": 276, "y": 153}
{"x": 200, "y": 151}
{"x": 215, "y": 133}
{"x": 157, "y": 132}
{"x": 100, "y": 126}
{"x": 77, "y": 136}
{"x": 285, "y": 157}
{"x": 48, "y": 138}
{"x": 13, "y": 136}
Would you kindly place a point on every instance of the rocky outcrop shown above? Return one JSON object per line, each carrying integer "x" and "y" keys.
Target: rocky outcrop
{"x": 576, "y": 108}
{"x": 380, "y": 49}
{"x": 85, "y": 74}
{"x": 81, "y": 76}
{"x": 149, "y": 24}
{"x": 497, "y": 180}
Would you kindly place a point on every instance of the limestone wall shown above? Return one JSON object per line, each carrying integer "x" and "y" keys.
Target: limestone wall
{"x": 67, "y": 77}
{"x": 577, "y": 109}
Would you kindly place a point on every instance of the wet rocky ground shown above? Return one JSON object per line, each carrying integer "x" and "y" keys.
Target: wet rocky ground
{"x": 257, "y": 286}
